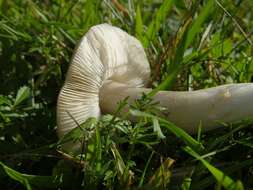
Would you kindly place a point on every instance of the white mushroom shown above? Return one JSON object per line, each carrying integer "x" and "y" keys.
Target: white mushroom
{"x": 109, "y": 65}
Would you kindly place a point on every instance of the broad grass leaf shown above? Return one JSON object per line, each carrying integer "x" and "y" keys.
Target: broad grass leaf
{"x": 209, "y": 180}
{"x": 221, "y": 178}
{"x": 5, "y": 100}
{"x": 23, "y": 94}
{"x": 30, "y": 180}
{"x": 157, "y": 129}
{"x": 15, "y": 175}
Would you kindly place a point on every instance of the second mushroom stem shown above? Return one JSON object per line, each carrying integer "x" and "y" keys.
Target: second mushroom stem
{"x": 208, "y": 107}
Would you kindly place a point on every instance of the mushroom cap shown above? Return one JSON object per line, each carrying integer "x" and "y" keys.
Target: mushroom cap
{"x": 105, "y": 53}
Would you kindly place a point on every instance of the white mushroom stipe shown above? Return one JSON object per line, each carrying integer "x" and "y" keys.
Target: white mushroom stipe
{"x": 109, "y": 65}
{"x": 210, "y": 107}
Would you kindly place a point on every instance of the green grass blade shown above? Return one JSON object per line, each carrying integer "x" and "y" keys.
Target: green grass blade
{"x": 204, "y": 183}
{"x": 121, "y": 167}
{"x": 23, "y": 94}
{"x": 13, "y": 33}
{"x": 246, "y": 142}
{"x": 176, "y": 63}
{"x": 15, "y": 175}
{"x": 180, "y": 133}
{"x": 157, "y": 129}
{"x": 29, "y": 180}
{"x": 162, "y": 175}
{"x": 186, "y": 185}
{"x": 139, "y": 24}
{"x": 49, "y": 182}
{"x": 222, "y": 179}
{"x": 145, "y": 169}
{"x": 37, "y": 11}
{"x": 98, "y": 150}
{"x": 157, "y": 22}
{"x": 189, "y": 33}
{"x": 196, "y": 27}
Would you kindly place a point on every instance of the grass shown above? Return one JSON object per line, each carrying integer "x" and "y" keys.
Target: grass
{"x": 190, "y": 45}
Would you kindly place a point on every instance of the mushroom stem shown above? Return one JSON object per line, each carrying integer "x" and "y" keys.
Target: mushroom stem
{"x": 210, "y": 107}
